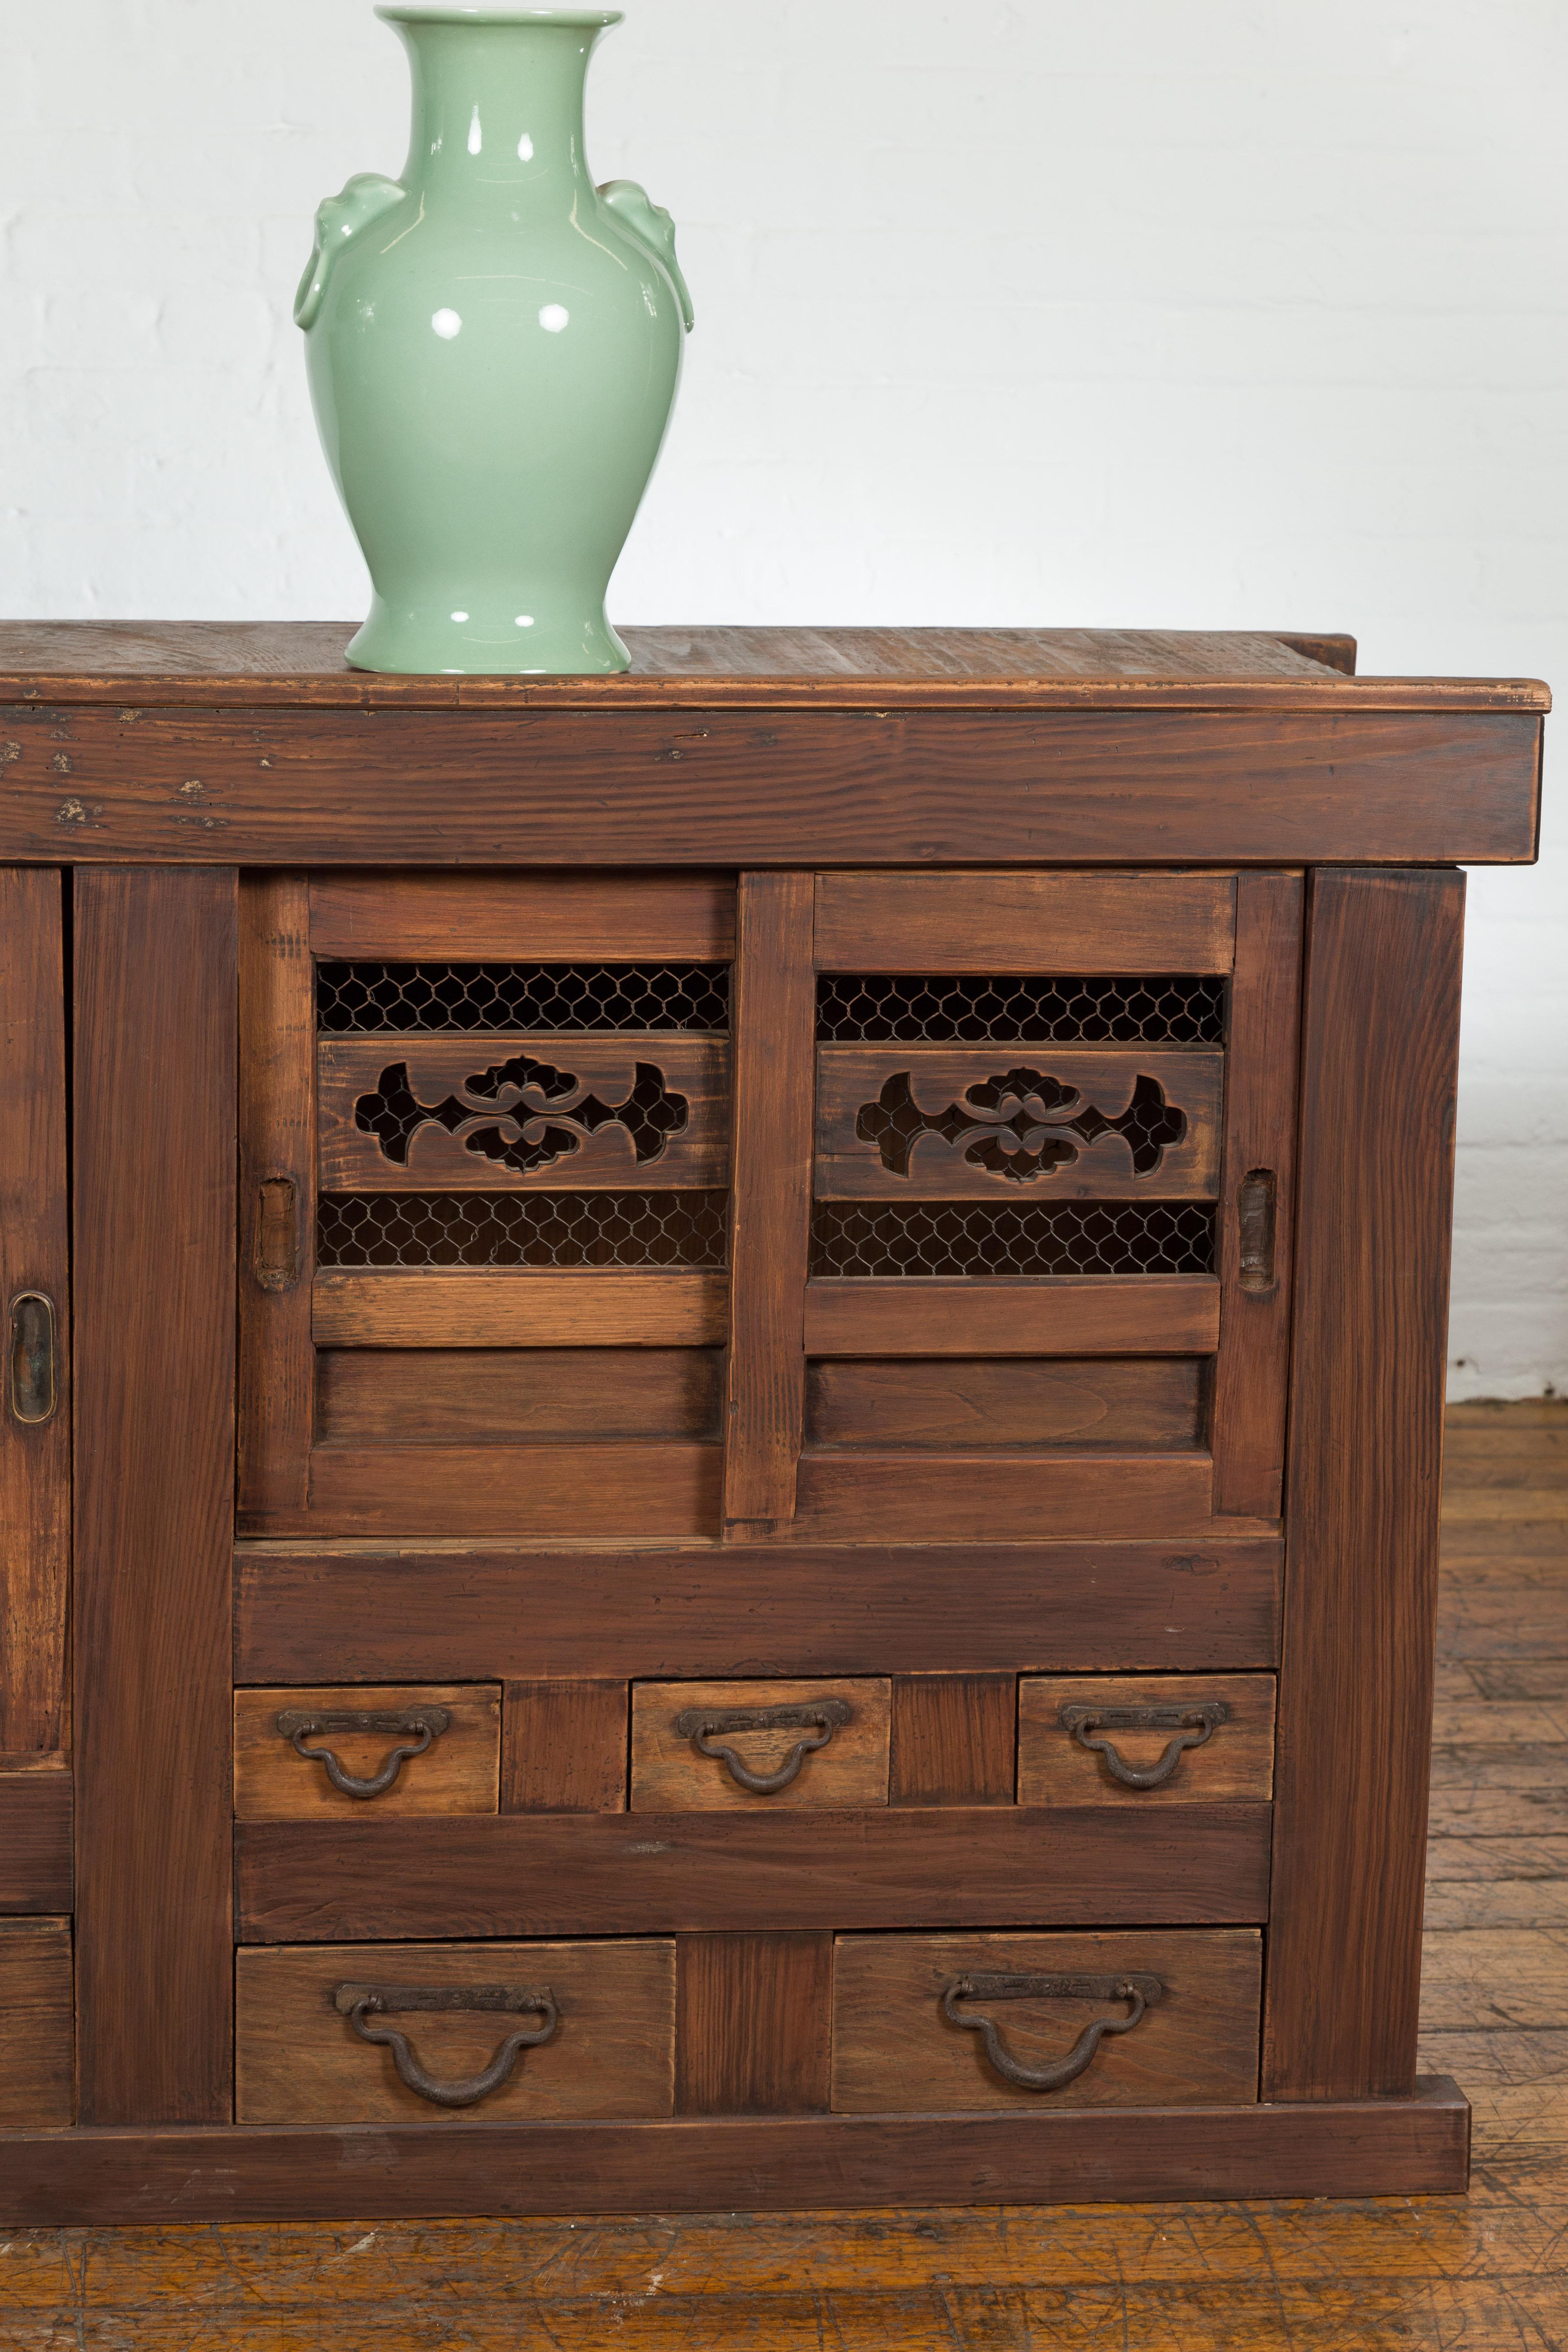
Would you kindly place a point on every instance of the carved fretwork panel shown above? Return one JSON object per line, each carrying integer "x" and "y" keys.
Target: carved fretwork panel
{"x": 454, "y": 1113}
{"x": 946, "y": 1123}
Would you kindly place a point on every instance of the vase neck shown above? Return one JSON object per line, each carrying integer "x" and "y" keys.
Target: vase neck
{"x": 498, "y": 107}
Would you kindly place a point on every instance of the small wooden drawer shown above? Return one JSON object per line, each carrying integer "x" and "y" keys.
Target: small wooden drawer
{"x": 606, "y": 2012}
{"x": 1230, "y": 1759}
{"x": 36, "y": 2026}
{"x": 282, "y": 1739}
{"x": 911, "y": 2015}
{"x": 764, "y": 1729}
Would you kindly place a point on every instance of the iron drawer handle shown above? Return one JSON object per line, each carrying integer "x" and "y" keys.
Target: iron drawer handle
{"x": 1140, "y": 1990}
{"x": 822, "y": 1716}
{"x": 300, "y": 1724}
{"x": 1192, "y": 1726}
{"x": 359, "y": 2002}
{"x": 32, "y": 1358}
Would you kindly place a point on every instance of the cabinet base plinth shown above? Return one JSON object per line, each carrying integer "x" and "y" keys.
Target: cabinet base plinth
{"x": 1080, "y": 2156}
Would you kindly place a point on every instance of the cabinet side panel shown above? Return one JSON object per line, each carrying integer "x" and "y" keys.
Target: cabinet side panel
{"x": 1380, "y": 1068}
{"x": 774, "y": 1074}
{"x": 276, "y": 1193}
{"x": 155, "y": 1211}
{"x": 35, "y": 1453}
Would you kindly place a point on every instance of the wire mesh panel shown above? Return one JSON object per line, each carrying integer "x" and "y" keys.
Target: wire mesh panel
{"x": 370, "y": 999}
{"x": 910, "y": 1238}
{"x": 522, "y": 1229}
{"x": 876, "y": 1008}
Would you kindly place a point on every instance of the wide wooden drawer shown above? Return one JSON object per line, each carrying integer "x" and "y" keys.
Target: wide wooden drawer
{"x": 607, "y": 2011}
{"x": 390, "y": 1748}
{"x": 934, "y": 2022}
{"x": 1120, "y": 1739}
{"x": 35, "y": 2025}
{"x": 713, "y": 1747}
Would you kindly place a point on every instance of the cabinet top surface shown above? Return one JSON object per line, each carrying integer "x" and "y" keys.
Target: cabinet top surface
{"x": 214, "y": 663}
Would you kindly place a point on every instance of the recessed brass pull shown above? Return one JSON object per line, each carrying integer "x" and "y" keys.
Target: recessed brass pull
{"x": 420, "y": 1725}
{"x": 1140, "y": 1990}
{"x": 278, "y": 1232}
{"x": 818, "y": 1718}
{"x": 1255, "y": 1216}
{"x": 31, "y": 1382}
{"x": 361, "y": 2003}
{"x": 1194, "y": 1727}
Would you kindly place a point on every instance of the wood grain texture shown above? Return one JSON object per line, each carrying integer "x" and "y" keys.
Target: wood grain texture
{"x": 203, "y": 662}
{"x": 35, "y": 1460}
{"x": 669, "y": 1774}
{"x": 37, "y": 2089}
{"x": 609, "y": 1493}
{"x": 953, "y": 1740}
{"x": 276, "y": 1401}
{"x": 955, "y": 1404}
{"x": 1374, "y": 2148}
{"x": 775, "y": 1019}
{"x": 460, "y": 1075}
{"x": 482, "y": 1309}
{"x": 1251, "y": 1371}
{"x": 457, "y": 1774}
{"x": 500, "y": 1395}
{"x": 297, "y": 2060}
{"x": 1380, "y": 1051}
{"x": 923, "y": 787}
{"x": 754, "y": 2016}
{"x": 564, "y": 1748}
{"x": 308, "y": 1613}
{"x": 894, "y": 2050}
{"x": 1058, "y": 1315}
{"x": 988, "y": 1102}
{"x": 1026, "y": 922}
{"x": 670, "y": 1872}
{"x": 898, "y": 1496}
{"x": 1234, "y": 1765}
{"x": 156, "y": 977}
{"x": 36, "y": 1841}
{"x": 523, "y": 917}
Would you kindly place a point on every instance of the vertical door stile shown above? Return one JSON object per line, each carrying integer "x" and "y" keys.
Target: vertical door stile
{"x": 153, "y": 1210}
{"x": 1257, "y": 1204}
{"x": 34, "y": 1426}
{"x": 774, "y": 1025}
{"x": 276, "y": 1196}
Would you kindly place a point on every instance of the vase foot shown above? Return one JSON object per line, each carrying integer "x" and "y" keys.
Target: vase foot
{"x": 459, "y": 640}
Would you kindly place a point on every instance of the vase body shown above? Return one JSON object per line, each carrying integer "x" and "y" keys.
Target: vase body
{"x": 493, "y": 347}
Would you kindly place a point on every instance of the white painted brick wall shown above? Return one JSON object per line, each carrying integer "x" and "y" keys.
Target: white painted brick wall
{"x": 1221, "y": 315}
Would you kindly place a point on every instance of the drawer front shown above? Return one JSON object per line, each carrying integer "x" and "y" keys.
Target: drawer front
{"x": 1166, "y": 1739}
{"x": 695, "y": 1745}
{"x": 35, "y": 2025}
{"x": 386, "y": 1748}
{"x": 609, "y": 2010}
{"x": 910, "y": 2014}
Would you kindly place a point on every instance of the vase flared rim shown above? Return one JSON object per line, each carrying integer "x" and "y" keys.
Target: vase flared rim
{"x": 582, "y": 20}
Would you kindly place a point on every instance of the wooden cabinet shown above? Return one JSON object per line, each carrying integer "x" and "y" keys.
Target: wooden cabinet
{"x": 751, "y": 1366}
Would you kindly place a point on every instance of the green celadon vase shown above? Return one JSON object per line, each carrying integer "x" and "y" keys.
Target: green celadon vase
{"x": 494, "y": 346}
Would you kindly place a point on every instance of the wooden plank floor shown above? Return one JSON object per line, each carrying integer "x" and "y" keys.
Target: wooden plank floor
{"x": 1483, "y": 2273}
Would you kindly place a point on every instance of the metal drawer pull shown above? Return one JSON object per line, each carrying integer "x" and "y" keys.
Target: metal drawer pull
{"x": 1140, "y": 1990}
{"x": 32, "y": 1379}
{"x": 426, "y": 1723}
{"x": 1191, "y": 1725}
{"x": 822, "y": 1716}
{"x": 359, "y": 2002}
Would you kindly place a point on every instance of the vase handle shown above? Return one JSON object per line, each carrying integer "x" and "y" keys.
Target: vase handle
{"x": 365, "y": 197}
{"x": 653, "y": 229}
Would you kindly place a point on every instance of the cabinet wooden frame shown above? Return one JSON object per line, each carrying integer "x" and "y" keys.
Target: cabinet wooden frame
{"x": 238, "y": 803}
